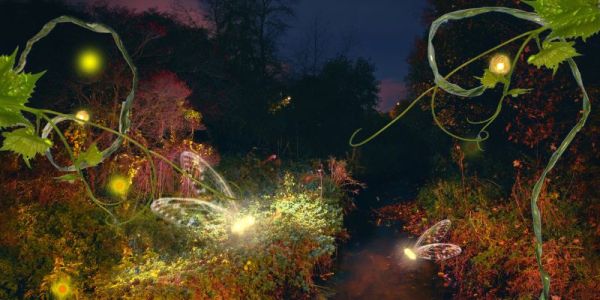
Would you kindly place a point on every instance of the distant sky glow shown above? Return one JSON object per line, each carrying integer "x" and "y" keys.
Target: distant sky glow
{"x": 382, "y": 31}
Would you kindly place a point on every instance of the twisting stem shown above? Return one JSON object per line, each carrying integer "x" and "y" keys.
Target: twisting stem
{"x": 537, "y": 188}
{"x": 434, "y": 89}
{"x": 142, "y": 147}
{"x": 77, "y": 168}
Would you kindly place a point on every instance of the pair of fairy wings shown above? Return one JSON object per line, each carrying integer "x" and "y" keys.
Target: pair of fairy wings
{"x": 429, "y": 245}
{"x": 203, "y": 206}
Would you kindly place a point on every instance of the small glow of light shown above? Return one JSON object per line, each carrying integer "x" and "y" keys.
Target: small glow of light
{"x": 61, "y": 289}
{"x": 500, "y": 64}
{"x": 410, "y": 254}
{"x": 83, "y": 116}
{"x": 242, "y": 224}
{"x": 89, "y": 62}
{"x": 119, "y": 185}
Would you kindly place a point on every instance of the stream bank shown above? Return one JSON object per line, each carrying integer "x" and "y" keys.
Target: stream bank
{"x": 370, "y": 265}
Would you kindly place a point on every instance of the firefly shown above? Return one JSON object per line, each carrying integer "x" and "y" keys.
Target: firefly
{"x": 89, "y": 62}
{"x": 500, "y": 64}
{"x": 428, "y": 245}
{"x": 119, "y": 185}
{"x": 410, "y": 254}
{"x": 62, "y": 289}
{"x": 82, "y": 115}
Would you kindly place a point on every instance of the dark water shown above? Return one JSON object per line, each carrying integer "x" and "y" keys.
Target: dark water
{"x": 371, "y": 265}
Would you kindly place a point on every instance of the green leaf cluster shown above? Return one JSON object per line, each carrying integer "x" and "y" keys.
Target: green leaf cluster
{"x": 553, "y": 53}
{"x": 569, "y": 18}
{"x": 491, "y": 79}
{"x": 15, "y": 90}
{"x": 517, "y": 92}
{"x": 89, "y": 158}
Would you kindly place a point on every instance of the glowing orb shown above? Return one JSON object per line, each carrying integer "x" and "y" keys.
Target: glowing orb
{"x": 89, "y": 62}
{"x": 83, "y": 116}
{"x": 241, "y": 225}
{"x": 119, "y": 185}
{"x": 61, "y": 289}
{"x": 410, "y": 254}
{"x": 500, "y": 64}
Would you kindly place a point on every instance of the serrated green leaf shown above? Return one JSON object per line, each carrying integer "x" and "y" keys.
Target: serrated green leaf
{"x": 90, "y": 158}
{"x": 553, "y": 54}
{"x": 517, "y": 92}
{"x": 490, "y": 79}
{"x": 11, "y": 118}
{"x": 569, "y": 18}
{"x": 25, "y": 142}
{"x": 70, "y": 178}
{"x": 15, "y": 88}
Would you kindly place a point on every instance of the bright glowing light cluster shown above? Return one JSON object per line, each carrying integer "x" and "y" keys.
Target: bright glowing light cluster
{"x": 61, "y": 289}
{"x": 428, "y": 245}
{"x": 500, "y": 64}
{"x": 119, "y": 185}
{"x": 241, "y": 225}
{"x": 82, "y": 115}
{"x": 89, "y": 62}
{"x": 410, "y": 254}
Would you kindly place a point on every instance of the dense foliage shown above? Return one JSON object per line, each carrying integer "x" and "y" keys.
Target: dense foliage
{"x": 226, "y": 95}
{"x": 297, "y": 225}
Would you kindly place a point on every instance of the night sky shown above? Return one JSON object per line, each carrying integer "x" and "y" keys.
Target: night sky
{"x": 382, "y": 31}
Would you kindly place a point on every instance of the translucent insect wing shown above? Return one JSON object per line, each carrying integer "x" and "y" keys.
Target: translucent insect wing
{"x": 188, "y": 211}
{"x": 434, "y": 234}
{"x": 198, "y": 169}
{"x": 191, "y": 163}
{"x": 206, "y": 206}
{"x": 438, "y": 251}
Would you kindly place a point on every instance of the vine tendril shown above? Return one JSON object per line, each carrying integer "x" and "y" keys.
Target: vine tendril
{"x": 124, "y": 121}
{"x": 454, "y": 89}
{"x": 121, "y": 133}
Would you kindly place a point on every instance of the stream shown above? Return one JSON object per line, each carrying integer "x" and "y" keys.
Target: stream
{"x": 371, "y": 265}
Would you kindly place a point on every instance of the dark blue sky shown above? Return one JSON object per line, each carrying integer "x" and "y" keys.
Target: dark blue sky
{"x": 382, "y": 31}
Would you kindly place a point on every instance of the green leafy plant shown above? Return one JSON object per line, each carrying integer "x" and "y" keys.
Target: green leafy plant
{"x": 15, "y": 91}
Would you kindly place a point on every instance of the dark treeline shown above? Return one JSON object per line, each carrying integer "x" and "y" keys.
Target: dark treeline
{"x": 250, "y": 98}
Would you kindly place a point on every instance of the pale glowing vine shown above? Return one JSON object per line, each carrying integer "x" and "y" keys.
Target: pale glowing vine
{"x": 15, "y": 91}
{"x": 560, "y": 17}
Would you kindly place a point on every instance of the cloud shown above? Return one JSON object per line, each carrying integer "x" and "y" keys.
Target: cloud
{"x": 391, "y": 90}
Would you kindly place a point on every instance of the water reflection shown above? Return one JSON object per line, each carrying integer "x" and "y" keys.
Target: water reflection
{"x": 372, "y": 265}
{"x": 377, "y": 270}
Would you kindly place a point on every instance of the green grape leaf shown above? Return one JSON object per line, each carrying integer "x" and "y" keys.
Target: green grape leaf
{"x": 91, "y": 157}
{"x": 11, "y": 118}
{"x": 553, "y": 54}
{"x": 25, "y": 142}
{"x": 490, "y": 79}
{"x": 569, "y": 18}
{"x": 15, "y": 91}
{"x": 15, "y": 88}
{"x": 70, "y": 178}
{"x": 517, "y": 92}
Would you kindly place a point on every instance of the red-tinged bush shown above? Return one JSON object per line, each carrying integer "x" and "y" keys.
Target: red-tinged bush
{"x": 162, "y": 111}
{"x": 497, "y": 259}
{"x": 168, "y": 178}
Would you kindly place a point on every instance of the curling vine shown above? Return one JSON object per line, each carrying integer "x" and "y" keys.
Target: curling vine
{"x": 560, "y": 23}
{"x": 29, "y": 139}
